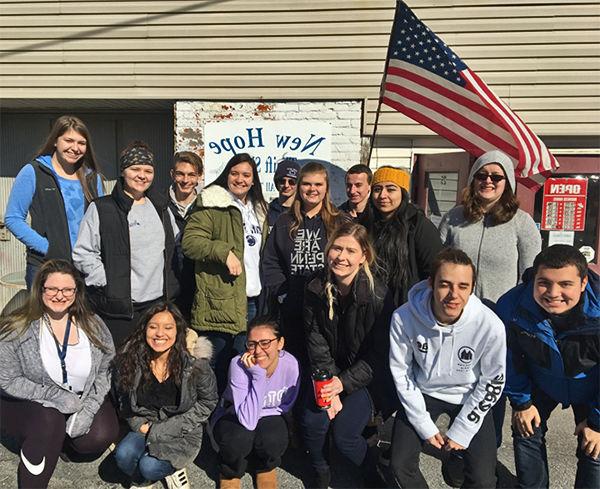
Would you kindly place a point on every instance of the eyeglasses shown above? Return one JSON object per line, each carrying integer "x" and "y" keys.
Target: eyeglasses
{"x": 482, "y": 177}
{"x": 67, "y": 292}
{"x": 264, "y": 344}
{"x": 289, "y": 181}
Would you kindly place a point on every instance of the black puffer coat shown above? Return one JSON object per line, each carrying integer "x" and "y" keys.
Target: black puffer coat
{"x": 354, "y": 345}
{"x": 410, "y": 242}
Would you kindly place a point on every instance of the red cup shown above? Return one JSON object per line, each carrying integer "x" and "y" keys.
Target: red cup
{"x": 320, "y": 379}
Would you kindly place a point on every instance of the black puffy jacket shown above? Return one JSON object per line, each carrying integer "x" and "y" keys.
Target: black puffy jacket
{"x": 354, "y": 345}
{"x": 420, "y": 245}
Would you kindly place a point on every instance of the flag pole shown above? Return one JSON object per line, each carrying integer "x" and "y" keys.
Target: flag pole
{"x": 381, "y": 87}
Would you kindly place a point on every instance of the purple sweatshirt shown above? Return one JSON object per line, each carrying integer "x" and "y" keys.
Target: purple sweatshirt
{"x": 250, "y": 394}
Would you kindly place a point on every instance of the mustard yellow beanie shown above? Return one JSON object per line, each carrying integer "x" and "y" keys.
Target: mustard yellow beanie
{"x": 391, "y": 174}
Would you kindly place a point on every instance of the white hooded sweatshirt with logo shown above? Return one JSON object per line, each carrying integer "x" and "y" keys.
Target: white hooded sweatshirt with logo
{"x": 463, "y": 363}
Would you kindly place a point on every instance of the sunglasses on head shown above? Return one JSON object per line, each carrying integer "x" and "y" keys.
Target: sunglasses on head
{"x": 482, "y": 177}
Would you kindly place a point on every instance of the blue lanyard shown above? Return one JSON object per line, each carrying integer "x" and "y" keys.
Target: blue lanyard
{"x": 62, "y": 352}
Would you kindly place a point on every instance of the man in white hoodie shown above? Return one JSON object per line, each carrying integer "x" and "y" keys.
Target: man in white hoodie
{"x": 447, "y": 355}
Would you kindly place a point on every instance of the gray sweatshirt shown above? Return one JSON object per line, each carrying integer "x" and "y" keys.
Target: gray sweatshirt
{"x": 500, "y": 253}
{"x": 23, "y": 376}
{"x": 147, "y": 242}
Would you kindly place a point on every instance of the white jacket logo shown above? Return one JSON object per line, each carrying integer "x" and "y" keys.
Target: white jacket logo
{"x": 465, "y": 354}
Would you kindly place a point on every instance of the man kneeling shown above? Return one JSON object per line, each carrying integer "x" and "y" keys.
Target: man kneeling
{"x": 553, "y": 322}
{"x": 447, "y": 355}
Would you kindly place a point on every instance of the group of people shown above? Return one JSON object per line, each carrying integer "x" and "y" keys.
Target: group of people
{"x": 396, "y": 315}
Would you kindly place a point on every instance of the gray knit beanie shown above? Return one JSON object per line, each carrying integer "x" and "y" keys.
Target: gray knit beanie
{"x": 498, "y": 157}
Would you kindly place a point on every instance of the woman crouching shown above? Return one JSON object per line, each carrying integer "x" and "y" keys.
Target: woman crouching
{"x": 263, "y": 386}
{"x": 165, "y": 394}
{"x": 54, "y": 375}
{"x": 347, "y": 314}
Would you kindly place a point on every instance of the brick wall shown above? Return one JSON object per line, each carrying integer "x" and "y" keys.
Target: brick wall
{"x": 345, "y": 118}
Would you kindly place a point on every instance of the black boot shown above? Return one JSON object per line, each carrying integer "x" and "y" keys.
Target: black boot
{"x": 321, "y": 480}
{"x": 371, "y": 474}
{"x": 453, "y": 469}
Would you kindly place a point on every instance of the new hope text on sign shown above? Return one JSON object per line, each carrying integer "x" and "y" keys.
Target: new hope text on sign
{"x": 267, "y": 142}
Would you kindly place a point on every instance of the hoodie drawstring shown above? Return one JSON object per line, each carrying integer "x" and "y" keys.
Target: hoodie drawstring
{"x": 452, "y": 356}
{"x": 439, "y": 362}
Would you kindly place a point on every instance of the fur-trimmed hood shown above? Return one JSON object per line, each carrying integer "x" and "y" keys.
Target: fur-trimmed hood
{"x": 215, "y": 196}
{"x": 203, "y": 348}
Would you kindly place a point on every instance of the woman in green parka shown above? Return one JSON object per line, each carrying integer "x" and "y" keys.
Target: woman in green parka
{"x": 224, "y": 236}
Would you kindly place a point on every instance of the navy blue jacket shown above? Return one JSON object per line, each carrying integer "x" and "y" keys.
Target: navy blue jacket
{"x": 276, "y": 208}
{"x": 564, "y": 364}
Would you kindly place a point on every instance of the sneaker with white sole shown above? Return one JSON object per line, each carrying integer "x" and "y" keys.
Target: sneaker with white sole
{"x": 142, "y": 485}
{"x": 178, "y": 480}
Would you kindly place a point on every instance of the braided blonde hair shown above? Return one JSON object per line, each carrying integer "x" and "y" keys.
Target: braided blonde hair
{"x": 361, "y": 235}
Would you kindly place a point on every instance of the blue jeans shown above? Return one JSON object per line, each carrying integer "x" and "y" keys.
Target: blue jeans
{"x": 133, "y": 460}
{"x": 531, "y": 458}
{"x": 252, "y": 309}
{"x": 30, "y": 272}
{"x": 348, "y": 426}
{"x": 225, "y": 347}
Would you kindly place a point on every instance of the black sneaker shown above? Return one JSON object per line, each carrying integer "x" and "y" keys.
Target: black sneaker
{"x": 453, "y": 469}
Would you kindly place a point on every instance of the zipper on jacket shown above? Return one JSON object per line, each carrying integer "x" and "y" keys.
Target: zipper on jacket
{"x": 480, "y": 242}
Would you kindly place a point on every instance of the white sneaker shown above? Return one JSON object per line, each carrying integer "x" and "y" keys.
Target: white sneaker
{"x": 143, "y": 485}
{"x": 178, "y": 480}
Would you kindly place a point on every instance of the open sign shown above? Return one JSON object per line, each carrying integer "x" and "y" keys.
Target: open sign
{"x": 564, "y": 204}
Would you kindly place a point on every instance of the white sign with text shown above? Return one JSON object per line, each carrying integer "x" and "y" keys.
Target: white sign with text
{"x": 267, "y": 142}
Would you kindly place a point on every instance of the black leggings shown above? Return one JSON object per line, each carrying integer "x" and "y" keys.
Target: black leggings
{"x": 267, "y": 443}
{"x": 40, "y": 433}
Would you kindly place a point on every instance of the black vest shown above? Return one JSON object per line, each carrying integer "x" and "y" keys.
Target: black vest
{"x": 48, "y": 216}
{"x": 114, "y": 299}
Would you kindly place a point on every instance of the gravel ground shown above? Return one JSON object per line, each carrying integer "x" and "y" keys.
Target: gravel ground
{"x": 295, "y": 471}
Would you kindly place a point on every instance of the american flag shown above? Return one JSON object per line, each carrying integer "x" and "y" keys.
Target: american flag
{"x": 429, "y": 83}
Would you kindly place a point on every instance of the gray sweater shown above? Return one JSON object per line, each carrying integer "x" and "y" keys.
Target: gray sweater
{"x": 500, "y": 253}
{"x": 23, "y": 376}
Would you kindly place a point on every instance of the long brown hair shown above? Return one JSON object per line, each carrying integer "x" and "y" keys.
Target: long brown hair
{"x": 88, "y": 170}
{"x": 255, "y": 193}
{"x": 361, "y": 235}
{"x": 136, "y": 354}
{"x": 502, "y": 211}
{"x": 18, "y": 321}
{"x": 328, "y": 211}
